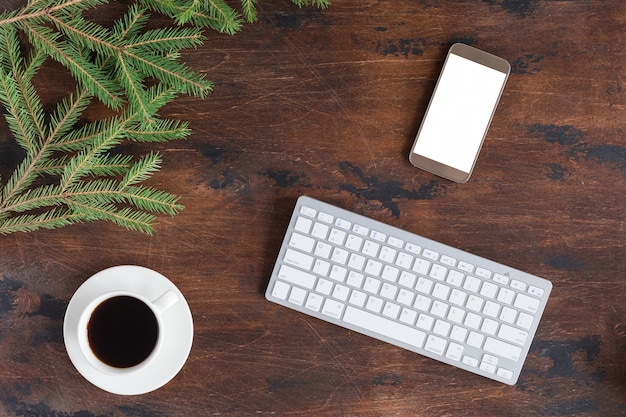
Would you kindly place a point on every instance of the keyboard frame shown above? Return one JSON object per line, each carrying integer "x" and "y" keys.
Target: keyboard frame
{"x": 424, "y": 242}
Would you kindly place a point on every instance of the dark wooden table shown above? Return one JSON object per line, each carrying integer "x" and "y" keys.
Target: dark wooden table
{"x": 327, "y": 103}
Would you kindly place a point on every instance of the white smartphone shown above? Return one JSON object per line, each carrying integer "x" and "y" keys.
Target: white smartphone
{"x": 459, "y": 113}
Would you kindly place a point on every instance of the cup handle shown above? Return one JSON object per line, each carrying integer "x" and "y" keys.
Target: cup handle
{"x": 165, "y": 301}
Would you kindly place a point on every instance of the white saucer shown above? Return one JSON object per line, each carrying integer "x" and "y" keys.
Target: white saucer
{"x": 177, "y": 329}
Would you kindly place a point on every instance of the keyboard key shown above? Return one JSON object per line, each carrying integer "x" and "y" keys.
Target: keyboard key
{"x": 441, "y": 328}
{"x": 471, "y": 361}
{"x": 370, "y": 249}
{"x": 343, "y": 224}
{"x": 296, "y": 276}
{"x": 314, "y": 301}
{"x": 490, "y": 359}
{"x": 405, "y": 297}
{"x": 303, "y": 224}
{"x": 422, "y": 303}
{"x": 505, "y": 373}
{"x": 454, "y": 352}
{"x": 473, "y": 320}
{"x": 489, "y": 290}
{"x": 491, "y": 309}
{"x": 467, "y": 267}
{"x": 404, "y": 260}
{"x": 456, "y": 315}
{"x": 424, "y": 285}
{"x": 323, "y": 250}
{"x": 458, "y": 297}
{"x": 360, "y": 230}
{"x": 373, "y": 267}
{"x": 489, "y": 326}
{"x": 512, "y": 334}
{"x": 439, "y": 308}
{"x": 340, "y": 256}
{"x": 455, "y": 278}
{"x": 341, "y": 292}
{"x": 354, "y": 242}
{"x": 526, "y": 303}
{"x": 299, "y": 259}
{"x": 407, "y": 279}
{"x": 355, "y": 279}
{"x": 421, "y": 266}
{"x": 281, "y": 289}
{"x": 508, "y": 315}
{"x": 447, "y": 260}
{"x": 376, "y": 235}
{"x": 435, "y": 344}
{"x": 356, "y": 261}
{"x": 337, "y": 236}
{"x": 483, "y": 273}
{"x": 332, "y": 308}
{"x": 438, "y": 272}
{"x": 487, "y": 367}
{"x": 388, "y": 291}
{"x": 475, "y": 339}
{"x": 338, "y": 273}
{"x": 425, "y": 322}
{"x": 506, "y": 295}
{"x": 372, "y": 285}
{"x": 471, "y": 284}
{"x": 430, "y": 254}
{"x": 324, "y": 286}
{"x": 518, "y": 285}
{"x": 474, "y": 303}
{"x": 458, "y": 333}
{"x": 502, "y": 349}
{"x": 441, "y": 291}
{"x": 390, "y": 273}
{"x": 374, "y": 304}
{"x": 304, "y": 243}
{"x": 308, "y": 211}
{"x": 525, "y": 321}
{"x": 320, "y": 230}
{"x": 384, "y": 326}
{"x": 391, "y": 310}
{"x": 413, "y": 248}
{"x": 408, "y": 316}
{"x": 297, "y": 296}
{"x": 357, "y": 298}
{"x": 325, "y": 217}
{"x": 321, "y": 267}
{"x": 501, "y": 279}
{"x": 536, "y": 291}
{"x": 387, "y": 254}
{"x": 395, "y": 242}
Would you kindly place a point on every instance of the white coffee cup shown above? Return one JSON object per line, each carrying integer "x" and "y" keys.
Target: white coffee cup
{"x": 128, "y": 330}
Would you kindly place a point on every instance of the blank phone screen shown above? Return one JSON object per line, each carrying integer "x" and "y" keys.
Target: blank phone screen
{"x": 459, "y": 113}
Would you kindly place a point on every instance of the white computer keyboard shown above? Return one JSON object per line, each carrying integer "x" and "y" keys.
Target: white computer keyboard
{"x": 404, "y": 289}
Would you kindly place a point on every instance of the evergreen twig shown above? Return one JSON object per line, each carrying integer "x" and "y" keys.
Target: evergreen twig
{"x": 69, "y": 174}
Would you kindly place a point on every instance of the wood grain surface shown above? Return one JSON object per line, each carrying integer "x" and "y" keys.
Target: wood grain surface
{"x": 327, "y": 103}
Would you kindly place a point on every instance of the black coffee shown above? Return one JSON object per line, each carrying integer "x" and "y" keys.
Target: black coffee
{"x": 122, "y": 331}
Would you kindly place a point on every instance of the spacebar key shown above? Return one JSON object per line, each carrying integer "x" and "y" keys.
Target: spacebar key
{"x": 384, "y": 327}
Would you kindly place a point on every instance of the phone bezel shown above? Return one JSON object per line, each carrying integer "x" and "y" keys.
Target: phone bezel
{"x": 480, "y": 57}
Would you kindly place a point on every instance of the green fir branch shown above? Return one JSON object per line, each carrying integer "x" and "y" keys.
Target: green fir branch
{"x": 52, "y": 219}
{"x": 87, "y": 74}
{"x": 71, "y": 172}
{"x": 249, "y": 10}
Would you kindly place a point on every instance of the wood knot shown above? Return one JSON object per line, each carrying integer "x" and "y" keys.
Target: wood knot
{"x": 26, "y": 301}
